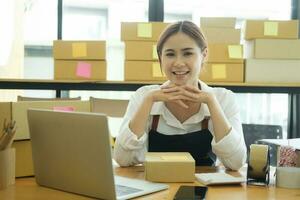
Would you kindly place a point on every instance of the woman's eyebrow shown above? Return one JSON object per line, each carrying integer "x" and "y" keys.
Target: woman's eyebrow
{"x": 187, "y": 49}
{"x": 169, "y": 50}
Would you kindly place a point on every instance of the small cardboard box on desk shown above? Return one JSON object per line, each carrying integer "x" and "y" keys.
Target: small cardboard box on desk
{"x": 169, "y": 167}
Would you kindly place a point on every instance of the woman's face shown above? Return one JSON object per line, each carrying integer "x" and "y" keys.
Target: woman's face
{"x": 181, "y": 59}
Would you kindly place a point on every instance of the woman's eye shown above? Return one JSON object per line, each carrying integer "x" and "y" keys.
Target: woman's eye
{"x": 169, "y": 54}
{"x": 188, "y": 53}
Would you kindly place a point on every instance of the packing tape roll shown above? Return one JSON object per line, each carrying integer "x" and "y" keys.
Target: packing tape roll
{"x": 288, "y": 177}
{"x": 258, "y": 160}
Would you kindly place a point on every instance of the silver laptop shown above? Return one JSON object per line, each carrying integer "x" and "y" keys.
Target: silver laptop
{"x": 72, "y": 152}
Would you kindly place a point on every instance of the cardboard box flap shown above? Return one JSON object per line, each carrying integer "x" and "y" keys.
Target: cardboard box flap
{"x": 169, "y": 157}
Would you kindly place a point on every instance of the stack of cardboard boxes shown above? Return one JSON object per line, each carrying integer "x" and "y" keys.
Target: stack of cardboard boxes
{"x": 225, "y": 61}
{"x": 18, "y": 111}
{"x": 79, "y": 60}
{"x": 272, "y": 50}
{"x": 141, "y": 59}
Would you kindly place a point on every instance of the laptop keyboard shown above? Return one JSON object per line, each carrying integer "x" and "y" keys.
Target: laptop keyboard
{"x": 124, "y": 190}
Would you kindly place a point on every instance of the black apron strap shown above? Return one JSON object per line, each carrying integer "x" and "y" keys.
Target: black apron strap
{"x": 155, "y": 122}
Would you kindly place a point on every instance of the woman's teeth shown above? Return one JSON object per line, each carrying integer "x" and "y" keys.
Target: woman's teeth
{"x": 180, "y": 73}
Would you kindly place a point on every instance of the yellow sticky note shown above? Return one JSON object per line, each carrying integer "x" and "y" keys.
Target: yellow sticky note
{"x": 218, "y": 71}
{"x": 144, "y": 30}
{"x": 154, "y": 52}
{"x": 156, "y": 71}
{"x": 271, "y": 28}
{"x": 235, "y": 51}
{"x": 173, "y": 158}
{"x": 79, "y": 49}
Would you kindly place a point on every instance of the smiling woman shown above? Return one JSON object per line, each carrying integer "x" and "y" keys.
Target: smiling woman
{"x": 183, "y": 114}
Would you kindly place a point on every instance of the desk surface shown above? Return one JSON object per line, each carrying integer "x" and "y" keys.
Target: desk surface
{"x": 27, "y": 189}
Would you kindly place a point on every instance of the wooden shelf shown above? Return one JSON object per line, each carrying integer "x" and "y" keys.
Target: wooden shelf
{"x": 60, "y": 85}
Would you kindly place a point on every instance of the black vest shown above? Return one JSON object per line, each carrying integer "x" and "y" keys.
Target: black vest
{"x": 197, "y": 143}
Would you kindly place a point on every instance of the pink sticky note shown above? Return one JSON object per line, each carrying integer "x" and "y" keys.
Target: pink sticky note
{"x": 64, "y": 108}
{"x": 83, "y": 69}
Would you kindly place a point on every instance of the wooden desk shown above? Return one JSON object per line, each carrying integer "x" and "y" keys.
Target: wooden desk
{"x": 27, "y": 189}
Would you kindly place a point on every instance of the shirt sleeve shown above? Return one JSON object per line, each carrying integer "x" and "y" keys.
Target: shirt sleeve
{"x": 128, "y": 149}
{"x": 231, "y": 150}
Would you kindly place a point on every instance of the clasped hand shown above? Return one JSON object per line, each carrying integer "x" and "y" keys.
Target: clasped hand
{"x": 182, "y": 95}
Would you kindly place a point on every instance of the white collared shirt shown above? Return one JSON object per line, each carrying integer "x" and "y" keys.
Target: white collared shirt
{"x": 231, "y": 150}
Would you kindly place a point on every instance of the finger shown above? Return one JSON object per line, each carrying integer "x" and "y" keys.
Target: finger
{"x": 168, "y": 85}
{"x": 173, "y": 89}
{"x": 182, "y": 104}
{"x": 181, "y": 97}
{"x": 191, "y": 88}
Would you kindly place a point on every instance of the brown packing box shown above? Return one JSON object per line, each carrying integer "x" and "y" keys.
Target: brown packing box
{"x": 222, "y": 35}
{"x": 5, "y": 113}
{"x": 271, "y": 29}
{"x": 225, "y": 53}
{"x": 140, "y": 50}
{"x": 19, "y": 112}
{"x": 224, "y": 22}
{"x": 272, "y": 49}
{"x": 79, "y": 70}
{"x": 143, "y": 71}
{"x": 169, "y": 167}
{"x": 272, "y": 70}
{"x": 24, "y": 163}
{"x": 222, "y": 72}
{"x": 74, "y": 50}
{"x": 149, "y": 31}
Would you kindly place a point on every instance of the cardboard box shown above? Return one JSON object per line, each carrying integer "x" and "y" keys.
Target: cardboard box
{"x": 220, "y": 22}
{"x": 149, "y": 31}
{"x": 24, "y": 163}
{"x": 19, "y": 112}
{"x": 272, "y": 49}
{"x": 79, "y": 70}
{"x": 222, "y": 35}
{"x": 169, "y": 167}
{"x": 143, "y": 71}
{"x": 5, "y": 113}
{"x": 79, "y": 50}
{"x": 222, "y": 72}
{"x": 225, "y": 53}
{"x": 254, "y": 29}
{"x": 272, "y": 71}
{"x": 140, "y": 50}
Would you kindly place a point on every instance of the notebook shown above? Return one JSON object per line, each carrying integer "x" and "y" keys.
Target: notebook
{"x": 72, "y": 152}
{"x": 219, "y": 178}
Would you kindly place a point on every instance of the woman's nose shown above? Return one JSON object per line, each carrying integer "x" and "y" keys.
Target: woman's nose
{"x": 179, "y": 61}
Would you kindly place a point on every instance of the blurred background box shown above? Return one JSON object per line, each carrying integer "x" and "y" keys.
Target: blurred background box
{"x": 272, "y": 49}
{"x": 254, "y": 29}
{"x": 143, "y": 71}
{"x": 222, "y": 72}
{"x": 272, "y": 71}
{"x": 222, "y": 35}
{"x": 148, "y": 31}
{"x": 140, "y": 50}
{"x": 74, "y": 50}
{"x": 19, "y": 112}
{"x": 80, "y": 70}
{"x": 224, "y": 22}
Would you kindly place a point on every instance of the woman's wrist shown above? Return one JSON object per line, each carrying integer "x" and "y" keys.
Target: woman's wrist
{"x": 210, "y": 99}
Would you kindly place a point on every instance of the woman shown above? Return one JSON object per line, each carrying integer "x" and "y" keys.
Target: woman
{"x": 183, "y": 114}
